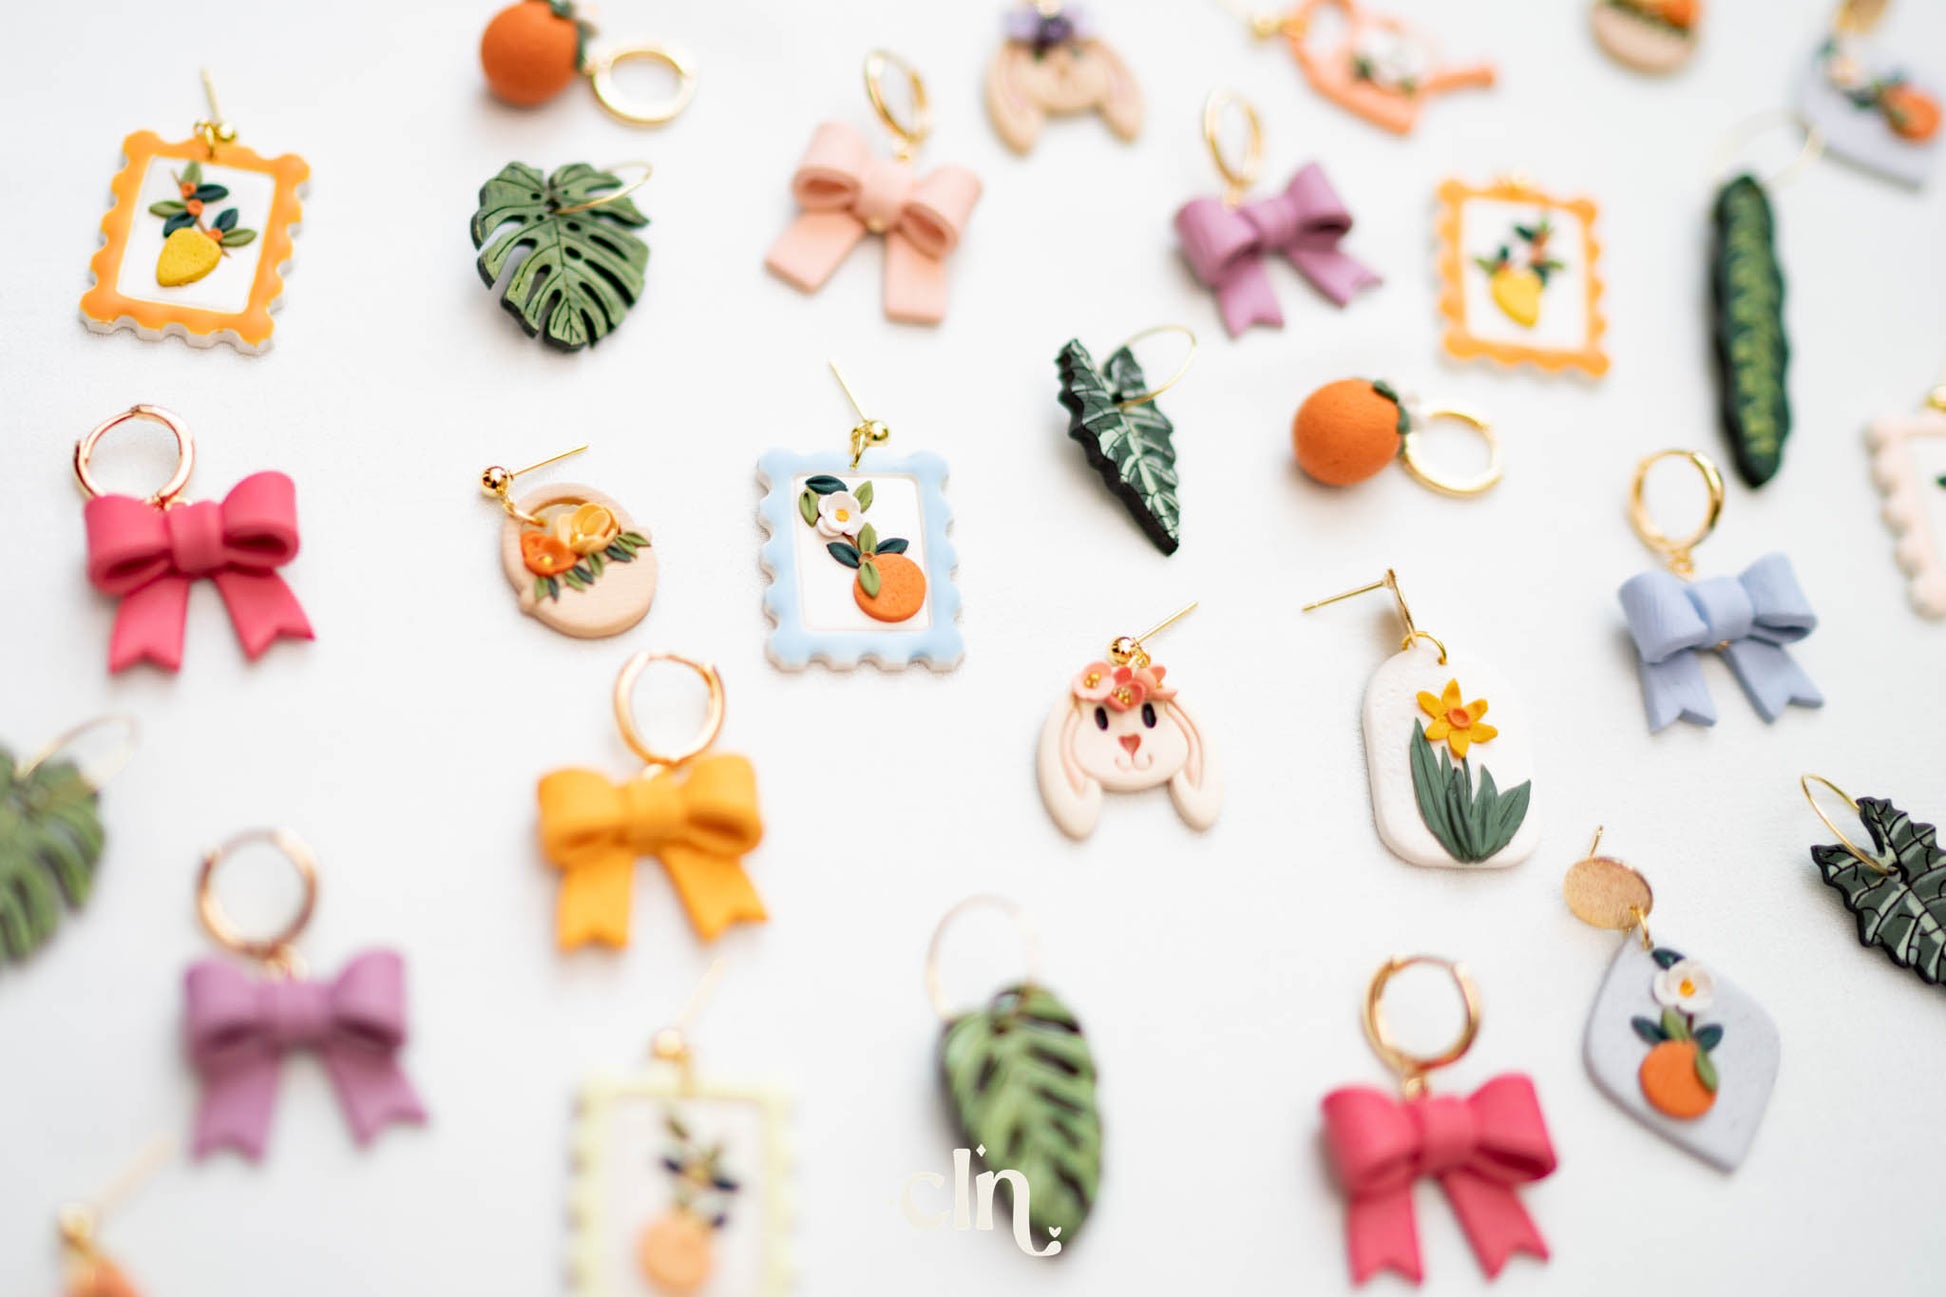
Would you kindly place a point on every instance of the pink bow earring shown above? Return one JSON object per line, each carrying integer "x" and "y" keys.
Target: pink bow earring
{"x": 147, "y": 553}
{"x": 847, "y": 192}
{"x": 1478, "y": 1148}
{"x": 1225, "y": 240}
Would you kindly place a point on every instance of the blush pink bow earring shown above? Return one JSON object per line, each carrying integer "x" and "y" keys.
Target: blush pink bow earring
{"x": 847, "y": 192}
{"x": 147, "y": 553}
{"x": 1225, "y": 240}
{"x": 1478, "y": 1148}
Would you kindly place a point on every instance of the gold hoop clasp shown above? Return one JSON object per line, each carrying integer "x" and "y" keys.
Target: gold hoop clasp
{"x": 276, "y": 949}
{"x": 1238, "y": 177}
{"x": 601, "y": 76}
{"x": 1390, "y": 581}
{"x": 84, "y": 451}
{"x": 910, "y": 135}
{"x": 1676, "y": 553}
{"x": 648, "y": 169}
{"x": 1424, "y": 476}
{"x": 1143, "y": 398}
{"x": 1412, "y": 1069}
{"x": 625, "y": 709}
{"x": 1863, "y": 858}
{"x": 120, "y": 755}
{"x": 1030, "y": 942}
{"x": 1752, "y": 127}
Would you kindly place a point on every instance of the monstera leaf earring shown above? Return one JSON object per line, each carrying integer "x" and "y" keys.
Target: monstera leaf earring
{"x": 561, "y": 250}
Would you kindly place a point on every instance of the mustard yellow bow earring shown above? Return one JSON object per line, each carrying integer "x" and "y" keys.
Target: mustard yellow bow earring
{"x": 694, "y": 811}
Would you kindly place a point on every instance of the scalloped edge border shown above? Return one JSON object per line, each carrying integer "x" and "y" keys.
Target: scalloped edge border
{"x": 104, "y": 310}
{"x": 790, "y": 645}
{"x": 1463, "y": 345}
{"x": 1915, "y": 548}
{"x": 588, "y": 1156}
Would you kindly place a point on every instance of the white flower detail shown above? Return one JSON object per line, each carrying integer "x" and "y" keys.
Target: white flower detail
{"x": 839, "y": 514}
{"x": 1685, "y": 986}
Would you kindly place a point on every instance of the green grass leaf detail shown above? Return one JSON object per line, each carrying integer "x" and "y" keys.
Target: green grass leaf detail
{"x": 868, "y": 578}
{"x": 1471, "y": 824}
{"x": 1022, "y": 1083}
{"x": 865, "y": 495}
{"x": 807, "y": 506}
{"x": 1132, "y": 449}
{"x": 1903, "y": 912}
{"x": 50, "y": 843}
{"x": 1706, "y": 1070}
{"x": 1752, "y": 352}
{"x": 569, "y": 279}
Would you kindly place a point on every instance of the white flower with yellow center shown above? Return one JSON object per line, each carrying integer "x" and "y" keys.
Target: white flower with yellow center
{"x": 1685, "y": 986}
{"x": 840, "y": 514}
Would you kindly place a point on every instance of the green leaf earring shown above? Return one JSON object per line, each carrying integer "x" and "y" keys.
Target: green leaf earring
{"x": 1128, "y": 440}
{"x": 1897, "y": 888}
{"x": 561, "y": 250}
{"x": 51, "y": 835}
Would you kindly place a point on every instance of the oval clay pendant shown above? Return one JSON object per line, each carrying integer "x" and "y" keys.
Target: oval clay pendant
{"x": 1648, "y": 35}
{"x": 587, "y": 571}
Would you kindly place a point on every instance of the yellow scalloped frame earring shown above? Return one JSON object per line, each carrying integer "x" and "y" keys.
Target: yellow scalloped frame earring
{"x": 1520, "y": 277}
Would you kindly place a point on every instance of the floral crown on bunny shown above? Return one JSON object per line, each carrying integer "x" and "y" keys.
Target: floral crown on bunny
{"x": 1123, "y": 688}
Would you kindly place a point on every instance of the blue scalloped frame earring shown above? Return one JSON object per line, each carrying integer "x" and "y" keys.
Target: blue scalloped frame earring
{"x": 859, "y": 563}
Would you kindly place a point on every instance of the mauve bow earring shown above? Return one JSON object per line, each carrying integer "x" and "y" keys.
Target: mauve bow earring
{"x": 239, "y": 1028}
{"x": 1748, "y": 618}
{"x": 846, "y": 193}
{"x": 1478, "y": 1148}
{"x": 147, "y": 553}
{"x": 1225, "y": 240}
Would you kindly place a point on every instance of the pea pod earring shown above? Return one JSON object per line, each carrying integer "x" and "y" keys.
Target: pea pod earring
{"x": 577, "y": 562}
{"x": 1896, "y": 887}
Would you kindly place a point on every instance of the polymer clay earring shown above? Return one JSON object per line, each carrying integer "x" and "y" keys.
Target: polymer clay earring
{"x": 1127, "y": 438}
{"x": 1381, "y": 69}
{"x": 859, "y": 565}
{"x": 1118, "y": 728}
{"x": 1648, "y": 35}
{"x": 576, "y": 561}
{"x": 1478, "y": 1148}
{"x": 1348, "y": 431}
{"x": 560, "y": 250}
{"x": 1896, "y": 888}
{"x": 1674, "y": 618}
{"x": 51, "y": 834}
{"x": 846, "y": 192}
{"x": 1052, "y": 64}
{"x": 680, "y": 1183}
{"x": 532, "y": 49}
{"x": 694, "y": 810}
{"x": 1225, "y": 240}
{"x": 1673, "y": 1043}
{"x": 1021, "y": 1080}
{"x": 1915, "y": 502}
{"x": 88, "y": 1270}
{"x": 1520, "y": 278}
{"x": 1868, "y": 106}
{"x": 146, "y": 553}
{"x": 198, "y": 239}
{"x": 239, "y": 1028}
{"x": 1427, "y": 805}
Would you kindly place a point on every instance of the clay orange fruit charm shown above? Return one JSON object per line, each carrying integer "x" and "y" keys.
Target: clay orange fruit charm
{"x": 674, "y": 1253}
{"x": 187, "y": 256}
{"x": 901, "y": 588}
{"x": 530, "y": 51}
{"x": 1672, "y": 1083}
{"x": 1347, "y": 431}
{"x": 1910, "y": 112}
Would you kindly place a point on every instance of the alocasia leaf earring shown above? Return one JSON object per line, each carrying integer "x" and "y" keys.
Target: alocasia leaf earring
{"x": 577, "y": 562}
{"x": 1430, "y": 805}
{"x": 1897, "y": 887}
{"x": 1676, "y": 1045}
{"x": 51, "y": 835}
{"x": 560, "y": 248}
{"x": 1127, "y": 438}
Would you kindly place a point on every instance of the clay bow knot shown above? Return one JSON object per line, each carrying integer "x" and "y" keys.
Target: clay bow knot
{"x": 698, "y": 821}
{"x": 148, "y": 557}
{"x": 1477, "y": 1148}
{"x": 1225, "y": 247}
{"x": 239, "y": 1030}
{"x": 1749, "y": 617}
{"x": 845, "y": 192}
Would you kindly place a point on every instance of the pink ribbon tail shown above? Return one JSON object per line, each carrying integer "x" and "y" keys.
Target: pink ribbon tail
{"x": 372, "y": 1088}
{"x": 149, "y": 624}
{"x": 814, "y": 245}
{"x": 1382, "y": 1234}
{"x": 262, "y": 609}
{"x": 915, "y": 284}
{"x": 1496, "y": 1223}
{"x": 239, "y": 1097}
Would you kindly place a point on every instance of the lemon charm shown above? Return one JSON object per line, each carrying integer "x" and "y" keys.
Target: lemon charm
{"x": 187, "y": 255}
{"x": 1517, "y": 284}
{"x": 192, "y": 248}
{"x": 1518, "y": 294}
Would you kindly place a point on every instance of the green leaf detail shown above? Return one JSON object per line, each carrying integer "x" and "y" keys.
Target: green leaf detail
{"x": 868, "y": 579}
{"x": 50, "y": 843}
{"x": 868, "y": 539}
{"x": 576, "y": 578}
{"x": 865, "y": 496}
{"x": 1131, "y": 449}
{"x": 1674, "y": 1025}
{"x": 180, "y": 221}
{"x": 1665, "y": 957}
{"x": 225, "y": 219}
{"x": 1903, "y": 913}
{"x": 843, "y": 553}
{"x": 594, "y": 563}
{"x": 543, "y": 588}
{"x": 1022, "y": 1083}
{"x": 1709, "y": 1037}
{"x": 192, "y": 174}
{"x": 1706, "y": 1070}
{"x": 1472, "y": 825}
{"x": 237, "y": 238}
{"x": 210, "y": 193}
{"x": 1752, "y": 351}
{"x": 575, "y": 275}
{"x": 892, "y": 545}
{"x": 633, "y": 540}
{"x": 168, "y": 207}
{"x": 825, "y": 484}
{"x": 807, "y": 507}
{"x": 1648, "y": 1029}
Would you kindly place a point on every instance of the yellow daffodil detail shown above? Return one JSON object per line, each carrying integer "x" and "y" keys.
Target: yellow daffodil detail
{"x": 1456, "y": 722}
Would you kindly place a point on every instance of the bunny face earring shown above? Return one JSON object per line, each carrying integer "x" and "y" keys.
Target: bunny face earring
{"x": 1119, "y": 729}
{"x": 1052, "y": 64}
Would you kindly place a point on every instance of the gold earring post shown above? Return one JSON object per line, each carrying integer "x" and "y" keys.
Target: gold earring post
{"x": 498, "y": 482}
{"x": 867, "y": 432}
{"x": 1390, "y": 581}
{"x": 1127, "y": 650}
{"x": 213, "y": 130}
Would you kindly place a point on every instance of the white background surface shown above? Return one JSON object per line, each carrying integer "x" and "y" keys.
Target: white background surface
{"x": 1220, "y": 975}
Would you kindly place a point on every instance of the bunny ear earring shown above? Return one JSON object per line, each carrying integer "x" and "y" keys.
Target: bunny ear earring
{"x": 1052, "y": 64}
{"x": 1120, "y": 729}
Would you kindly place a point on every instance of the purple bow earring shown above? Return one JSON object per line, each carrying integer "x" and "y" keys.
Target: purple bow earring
{"x": 239, "y": 1028}
{"x": 1225, "y": 240}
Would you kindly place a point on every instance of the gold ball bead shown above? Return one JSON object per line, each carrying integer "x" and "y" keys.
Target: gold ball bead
{"x": 496, "y": 480}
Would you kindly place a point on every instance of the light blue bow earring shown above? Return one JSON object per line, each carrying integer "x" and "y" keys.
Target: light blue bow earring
{"x": 1749, "y": 618}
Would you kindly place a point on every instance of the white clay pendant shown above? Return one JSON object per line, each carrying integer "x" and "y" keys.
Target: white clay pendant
{"x": 1118, "y": 728}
